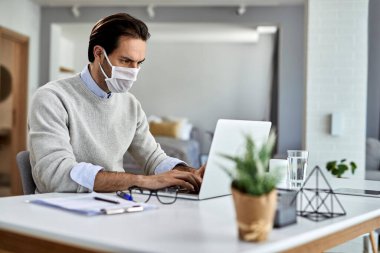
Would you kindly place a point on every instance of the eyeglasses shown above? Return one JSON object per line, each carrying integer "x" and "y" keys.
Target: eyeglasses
{"x": 144, "y": 195}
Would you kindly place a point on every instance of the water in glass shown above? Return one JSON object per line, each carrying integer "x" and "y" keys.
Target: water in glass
{"x": 297, "y": 165}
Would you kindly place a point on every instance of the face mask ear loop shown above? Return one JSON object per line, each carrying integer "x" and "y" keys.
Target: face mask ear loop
{"x": 101, "y": 68}
{"x": 108, "y": 60}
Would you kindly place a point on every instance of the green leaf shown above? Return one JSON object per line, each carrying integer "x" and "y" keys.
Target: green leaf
{"x": 229, "y": 173}
{"x": 343, "y": 160}
{"x": 331, "y": 165}
{"x": 341, "y": 169}
{"x": 353, "y": 167}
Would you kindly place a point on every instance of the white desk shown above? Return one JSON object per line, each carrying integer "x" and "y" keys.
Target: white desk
{"x": 186, "y": 226}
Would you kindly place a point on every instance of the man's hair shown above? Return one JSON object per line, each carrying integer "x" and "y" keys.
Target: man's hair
{"x": 107, "y": 31}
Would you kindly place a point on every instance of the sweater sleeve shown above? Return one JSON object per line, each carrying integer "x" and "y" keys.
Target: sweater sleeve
{"x": 144, "y": 147}
{"x": 52, "y": 155}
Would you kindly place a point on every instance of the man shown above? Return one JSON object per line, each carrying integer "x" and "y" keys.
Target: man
{"x": 80, "y": 127}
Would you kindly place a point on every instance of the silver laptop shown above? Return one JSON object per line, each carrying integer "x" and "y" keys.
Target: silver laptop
{"x": 229, "y": 138}
{"x": 358, "y": 192}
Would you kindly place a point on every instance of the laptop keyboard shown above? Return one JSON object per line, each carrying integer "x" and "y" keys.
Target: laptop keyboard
{"x": 181, "y": 191}
{"x": 186, "y": 191}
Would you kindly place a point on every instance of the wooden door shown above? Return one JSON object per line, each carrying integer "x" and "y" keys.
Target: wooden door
{"x": 14, "y": 59}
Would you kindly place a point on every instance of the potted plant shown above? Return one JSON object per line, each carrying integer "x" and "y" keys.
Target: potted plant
{"x": 338, "y": 169}
{"x": 254, "y": 189}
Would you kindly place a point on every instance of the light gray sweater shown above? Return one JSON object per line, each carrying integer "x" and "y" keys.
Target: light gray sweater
{"x": 68, "y": 124}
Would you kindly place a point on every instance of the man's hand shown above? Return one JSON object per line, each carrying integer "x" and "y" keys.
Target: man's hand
{"x": 200, "y": 172}
{"x": 187, "y": 178}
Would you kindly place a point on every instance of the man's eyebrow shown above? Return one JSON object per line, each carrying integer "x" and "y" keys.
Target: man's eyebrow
{"x": 129, "y": 59}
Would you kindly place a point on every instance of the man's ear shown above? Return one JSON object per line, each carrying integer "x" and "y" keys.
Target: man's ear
{"x": 97, "y": 51}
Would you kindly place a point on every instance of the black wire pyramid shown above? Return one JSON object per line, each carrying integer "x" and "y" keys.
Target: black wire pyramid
{"x": 318, "y": 204}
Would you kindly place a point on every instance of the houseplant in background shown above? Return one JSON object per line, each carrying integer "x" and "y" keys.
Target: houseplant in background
{"x": 339, "y": 168}
{"x": 254, "y": 189}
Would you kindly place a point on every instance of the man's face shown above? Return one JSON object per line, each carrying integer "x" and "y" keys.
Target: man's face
{"x": 130, "y": 53}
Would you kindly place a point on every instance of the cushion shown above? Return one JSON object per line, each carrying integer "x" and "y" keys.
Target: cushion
{"x": 372, "y": 160}
{"x": 166, "y": 128}
{"x": 186, "y": 127}
{"x": 184, "y": 132}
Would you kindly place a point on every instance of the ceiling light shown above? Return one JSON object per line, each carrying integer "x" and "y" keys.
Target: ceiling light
{"x": 266, "y": 29}
{"x": 241, "y": 10}
{"x": 75, "y": 11}
{"x": 150, "y": 11}
{"x": 202, "y": 33}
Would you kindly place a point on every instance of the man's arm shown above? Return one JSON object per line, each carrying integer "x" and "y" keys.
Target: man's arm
{"x": 49, "y": 143}
{"x": 144, "y": 148}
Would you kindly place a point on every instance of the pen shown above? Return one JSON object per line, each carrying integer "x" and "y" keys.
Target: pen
{"x": 107, "y": 200}
{"x": 132, "y": 209}
{"x": 124, "y": 195}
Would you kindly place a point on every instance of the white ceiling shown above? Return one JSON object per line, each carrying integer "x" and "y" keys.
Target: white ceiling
{"x": 56, "y": 3}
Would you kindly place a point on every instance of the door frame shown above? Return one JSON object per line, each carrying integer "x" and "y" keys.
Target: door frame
{"x": 19, "y": 110}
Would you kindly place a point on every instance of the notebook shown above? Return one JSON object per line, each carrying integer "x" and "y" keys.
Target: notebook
{"x": 229, "y": 138}
{"x": 93, "y": 204}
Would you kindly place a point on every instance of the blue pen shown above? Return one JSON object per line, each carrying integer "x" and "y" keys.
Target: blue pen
{"x": 124, "y": 195}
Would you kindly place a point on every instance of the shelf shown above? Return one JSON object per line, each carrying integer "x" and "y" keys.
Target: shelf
{"x": 5, "y": 132}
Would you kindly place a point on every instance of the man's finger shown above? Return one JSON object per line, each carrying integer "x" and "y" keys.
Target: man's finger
{"x": 194, "y": 180}
{"x": 191, "y": 178}
{"x": 184, "y": 184}
{"x": 201, "y": 171}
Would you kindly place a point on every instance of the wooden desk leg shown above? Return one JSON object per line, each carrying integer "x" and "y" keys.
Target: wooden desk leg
{"x": 373, "y": 241}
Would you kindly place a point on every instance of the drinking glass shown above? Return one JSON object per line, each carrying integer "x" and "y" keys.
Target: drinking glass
{"x": 297, "y": 165}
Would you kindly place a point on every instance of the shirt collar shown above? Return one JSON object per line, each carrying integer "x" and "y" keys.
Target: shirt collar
{"x": 92, "y": 85}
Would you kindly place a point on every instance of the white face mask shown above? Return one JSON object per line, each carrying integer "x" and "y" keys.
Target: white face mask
{"x": 121, "y": 79}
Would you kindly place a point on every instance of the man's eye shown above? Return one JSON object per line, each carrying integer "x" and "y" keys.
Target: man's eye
{"x": 125, "y": 61}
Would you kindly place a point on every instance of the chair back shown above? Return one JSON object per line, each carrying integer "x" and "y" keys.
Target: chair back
{"x": 23, "y": 163}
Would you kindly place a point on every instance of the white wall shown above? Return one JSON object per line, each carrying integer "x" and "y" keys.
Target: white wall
{"x": 207, "y": 81}
{"x": 199, "y": 80}
{"x": 66, "y": 56}
{"x": 337, "y": 80}
{"x": 55, "y": 49}
{"x": 23, "y": 16}
{"x": 78, "y": 35}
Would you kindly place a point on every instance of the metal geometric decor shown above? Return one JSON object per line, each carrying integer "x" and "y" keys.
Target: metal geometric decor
{"x": 318, "y": 204}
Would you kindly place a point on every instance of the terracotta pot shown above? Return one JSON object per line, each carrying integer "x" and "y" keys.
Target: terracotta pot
{"x": 255, "y": 214}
